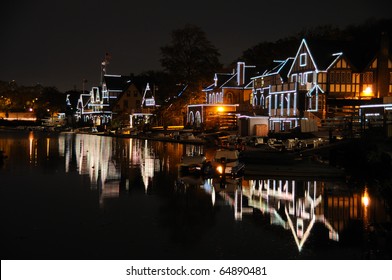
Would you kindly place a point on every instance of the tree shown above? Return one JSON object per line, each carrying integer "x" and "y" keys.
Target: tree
{"x": 190, "y": 58}
{"x": 190, "y": 61}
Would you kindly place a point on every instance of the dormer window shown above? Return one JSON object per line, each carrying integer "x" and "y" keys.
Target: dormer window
{"x": 303, "y": 59}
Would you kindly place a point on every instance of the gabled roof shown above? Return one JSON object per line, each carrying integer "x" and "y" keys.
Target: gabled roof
{"x": 229, "y": 80}
{"x": 358, "y": 53}
{"x": 117, "y": 82}
{"x": 84, "y": 99}
{"x": 323, "y": 52}
{"x": 281, "y": 67}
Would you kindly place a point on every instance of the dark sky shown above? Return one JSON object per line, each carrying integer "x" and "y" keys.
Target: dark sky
{"x": 59, "y": 43}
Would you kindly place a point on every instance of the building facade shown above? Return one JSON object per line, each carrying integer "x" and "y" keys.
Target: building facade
{"x": 227, "y": 97}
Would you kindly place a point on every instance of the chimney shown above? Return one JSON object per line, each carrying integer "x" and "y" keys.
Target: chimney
{"x": 240, "y": 73}
{"x": 382, "y": 67}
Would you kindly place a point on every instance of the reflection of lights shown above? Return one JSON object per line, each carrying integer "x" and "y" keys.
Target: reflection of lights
{"x": 31, "y": 138}
{"x": 365, "y": 198}
{"x": 213, "y": 196}
{"x": 47, "y": 146}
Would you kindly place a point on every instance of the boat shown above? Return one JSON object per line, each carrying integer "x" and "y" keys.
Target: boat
{"x": 226, "y": 163}
{"x": 194, "y": 165}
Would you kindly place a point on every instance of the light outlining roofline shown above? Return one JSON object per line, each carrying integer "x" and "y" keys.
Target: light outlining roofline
{"x": 376, "y": 105}
{"x": 338, "y": 56}
{"x": 303, "y": 42}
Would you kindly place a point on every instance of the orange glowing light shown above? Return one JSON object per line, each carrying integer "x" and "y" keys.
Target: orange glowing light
{"x": 365, "y": 199}
{"x": 221, "y": 109}
{"x": 368, "y": 91}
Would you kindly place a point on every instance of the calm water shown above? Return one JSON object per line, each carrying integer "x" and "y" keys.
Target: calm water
{"x": 74, "y": 196}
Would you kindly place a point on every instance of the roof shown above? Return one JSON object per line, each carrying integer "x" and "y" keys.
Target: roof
{"x": 228, "y": 80}
{"x": 359, "y": 53}
{"x": 281, "y": 67}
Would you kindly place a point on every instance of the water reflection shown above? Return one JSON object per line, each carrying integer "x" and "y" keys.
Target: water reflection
{"x": 309, "y": 211}
{"x": 292, "y": 204}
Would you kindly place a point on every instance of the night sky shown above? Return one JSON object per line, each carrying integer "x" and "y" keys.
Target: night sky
{"x": 60, "y": 43}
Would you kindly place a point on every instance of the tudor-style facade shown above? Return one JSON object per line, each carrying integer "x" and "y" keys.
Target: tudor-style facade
{"x": 291, "y": 93}
{"x": 225, "y": 98}
{"x": 322, "y": 82}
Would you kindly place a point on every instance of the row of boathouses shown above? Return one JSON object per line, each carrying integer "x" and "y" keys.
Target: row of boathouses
{"x": 323, "y": 85}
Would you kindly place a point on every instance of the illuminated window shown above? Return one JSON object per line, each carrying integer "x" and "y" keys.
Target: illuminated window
{"x": 191, "y": 118}
{"x": 150, "y": 102}
{"x": 198, "y": 118}
{"x": 302, "y": 59}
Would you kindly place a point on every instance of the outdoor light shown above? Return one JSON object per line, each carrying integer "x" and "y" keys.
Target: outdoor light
{"x": 219, "y": 169}
{"x": 368, "y": 91}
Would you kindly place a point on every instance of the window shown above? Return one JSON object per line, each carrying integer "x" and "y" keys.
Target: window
{"x": 300, "y": 80}
{"x": 368, "y": 77}
{"x": 348, "y": 77}
{"x": 255, "y": 100}
{"x": 294, "y": 78}
{"x": 125, "y": 104}
{"x": 302, "y": 59}
{"x": 229, "y": 98}
{"x": 332, "y": 77}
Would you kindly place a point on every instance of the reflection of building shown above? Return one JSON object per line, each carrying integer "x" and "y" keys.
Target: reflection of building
{"x": 294, "y": 205}
{"x": 298, "y": 206}
{"x": 94, "y": 159}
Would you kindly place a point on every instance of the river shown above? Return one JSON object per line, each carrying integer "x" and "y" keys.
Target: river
{"x": 80, "y": 196}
